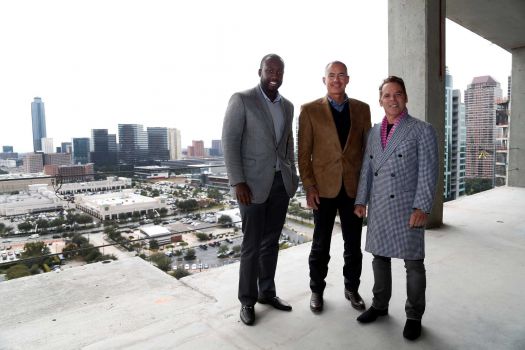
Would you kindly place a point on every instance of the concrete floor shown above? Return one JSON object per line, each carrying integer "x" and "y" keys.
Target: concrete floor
{"x": 475, "y": 272}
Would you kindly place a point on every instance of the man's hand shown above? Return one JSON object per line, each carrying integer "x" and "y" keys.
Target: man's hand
{"x": 243, "y": 193}
{"x": 360, "y": 210}
{"x": 312, "y": 197}
{"x": 418, "y": 219}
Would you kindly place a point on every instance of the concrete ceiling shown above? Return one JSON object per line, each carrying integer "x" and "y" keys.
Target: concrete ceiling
{"x": 501, "y": 22}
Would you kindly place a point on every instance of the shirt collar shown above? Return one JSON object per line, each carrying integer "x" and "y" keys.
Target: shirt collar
{"x": 338, "y": 106}
{"x": 277, "y": 99}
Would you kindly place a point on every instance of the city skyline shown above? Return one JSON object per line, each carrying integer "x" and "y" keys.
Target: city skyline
{"x": 135, "y": 68}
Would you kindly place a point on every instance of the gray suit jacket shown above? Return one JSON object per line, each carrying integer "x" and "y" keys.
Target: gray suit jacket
{"x": 393, "y": 182}
{"x": 250, "y": 147}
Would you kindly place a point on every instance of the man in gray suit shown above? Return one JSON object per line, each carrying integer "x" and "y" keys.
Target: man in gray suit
{"x": 258, "y": 149}
{"x": 398, "y": 182}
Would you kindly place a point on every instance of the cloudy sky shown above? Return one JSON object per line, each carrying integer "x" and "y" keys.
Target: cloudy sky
{"x": 167, "y": 63}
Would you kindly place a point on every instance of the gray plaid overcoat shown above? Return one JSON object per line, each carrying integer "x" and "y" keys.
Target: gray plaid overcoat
{"x": 394, "y": 182}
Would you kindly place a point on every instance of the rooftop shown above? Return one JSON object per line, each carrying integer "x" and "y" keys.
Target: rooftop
{"x": 475, "y": 265}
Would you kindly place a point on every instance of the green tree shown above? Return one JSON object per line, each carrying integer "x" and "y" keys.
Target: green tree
{"x": 202, "y": 236}
{"x": 190, "y": 254}
{"x": 223, "y": 249}
{"x": 163, "y": 212}
{"x": 25, "y": 226}
{"x": 17, "y": 271}
{"x": 477, "y": 185}
{"x": 179, "y": 273}
{"x": 236, "y": 248}
{"x": 225, "y": 220}
{"x": 153, "y": 244}
{"x": 162, "y": 261}
{"x": 35, "y": 249}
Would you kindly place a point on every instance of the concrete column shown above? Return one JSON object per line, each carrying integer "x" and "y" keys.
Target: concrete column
{"x": 516, "y": 167}
{"x": 416, "y": 53}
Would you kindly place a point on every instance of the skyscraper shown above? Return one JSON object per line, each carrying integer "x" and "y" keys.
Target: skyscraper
{"x": 174, "y": 144}
{"x": 66, "y": 147}
{"x": 455, "y": 143}
{"x": 47, "y": 145}
{"x": 198, "y": 148}
{"x": 216, "y": 148}
{"x": 158, "y": 144}
{"x": 133, "y": 143}
{"x": 80, "y": 150}
{"x": 103, "y": 149}
{"x": 38, "y": 121}
{"x": 480, "y": 115}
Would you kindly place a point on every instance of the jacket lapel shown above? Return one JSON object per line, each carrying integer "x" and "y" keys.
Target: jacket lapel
{"x": 399, "y": 135}
{"x": 265, "y": 114}
{"x": 326, "y": 113}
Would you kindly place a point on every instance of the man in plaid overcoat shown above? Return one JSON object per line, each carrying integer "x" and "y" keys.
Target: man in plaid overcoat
{"x": 398, "y": 183}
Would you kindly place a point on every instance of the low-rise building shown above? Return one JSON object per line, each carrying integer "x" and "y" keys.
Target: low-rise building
{"x": 38, "y": 199}
{"x": 19, "y": 182}
{"x": 111, "y": 205}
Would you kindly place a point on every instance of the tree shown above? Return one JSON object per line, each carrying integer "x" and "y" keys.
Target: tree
{"x": 163, "y": 212}
{"x": 190, "y": 254}
{"x": 17, "y": 271}
{"x": 477, "y": 185}
{"x": 236, "y": 248}
{"x": 223, "y": 249}
{"x": 188, "y": 205}
{"x": 162, "y": 261}
{"x": 179, "y": 273}
{"x": 35, "y": 249}
{"x": 202, "y": 236}
{"x": 153, "y": 244}
{"x": 225, "y": 220}
{"x": 25, "y": 226}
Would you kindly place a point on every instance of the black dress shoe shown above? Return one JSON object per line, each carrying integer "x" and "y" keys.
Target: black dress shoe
{"x": 355, "y": 299}
{"x": 247, "y": 315}
{"x": 412, "y": 329}
{"x": 277, "y": 303}
{"x": 316, "y": 302}
{"x": 371, "y": 315}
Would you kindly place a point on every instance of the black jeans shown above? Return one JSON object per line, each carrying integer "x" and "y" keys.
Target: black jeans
{"x": 262, "y": 225}
{"x": 351, "y": 225}
{"x": 416, "y": 285}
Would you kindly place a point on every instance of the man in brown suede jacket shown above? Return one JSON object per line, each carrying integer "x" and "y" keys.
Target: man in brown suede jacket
{"x": 332, "y": 139}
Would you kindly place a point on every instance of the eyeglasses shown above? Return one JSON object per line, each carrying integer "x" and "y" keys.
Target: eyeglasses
{"x": 340, "y": 76}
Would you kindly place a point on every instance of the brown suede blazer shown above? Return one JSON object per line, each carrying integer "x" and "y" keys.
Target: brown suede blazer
{"x": 322, "y": 162}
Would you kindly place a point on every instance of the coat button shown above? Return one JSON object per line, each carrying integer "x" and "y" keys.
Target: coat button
{"x": 393, "y": 175}
{"x": 371, "y": 156}
{"x": 392, "y": 196}
{"x": 375, "y": 174}
{"x": 400, "y": 155}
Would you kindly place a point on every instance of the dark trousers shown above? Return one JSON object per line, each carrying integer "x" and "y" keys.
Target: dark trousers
{"x": 262, "y": 224}
{"x": 351, "y": 225}
{"x": 416, "y": 285}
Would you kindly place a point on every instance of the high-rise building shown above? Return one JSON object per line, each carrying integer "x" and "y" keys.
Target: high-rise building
{"x": 33, "y": 163}
{"x": 216, "y": 148}
{"x": 80, "y": 150}
{"x": 133, "y": 144}
{"x": 455, "y": 143}
{"x": 66, "y": 147}
{"x": 47, "y": 145}
{"x": 502, "y": 142}
{"x": 480, "y": 116}
{"x": 158, "y": 143}
{"x": 57, "y": 158}
{"x": 7, "y": 149}
{"x": 103, "y": 147}
{"x": 38, "y": 121}
{"x": 198, "y": 148}
{"x": 174, "y": 144}
{"x": 70, "y": 173}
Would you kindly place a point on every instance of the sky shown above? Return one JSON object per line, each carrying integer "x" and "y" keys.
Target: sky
{"x": 165, "y": 63}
